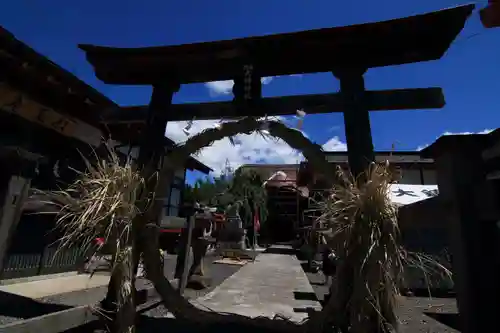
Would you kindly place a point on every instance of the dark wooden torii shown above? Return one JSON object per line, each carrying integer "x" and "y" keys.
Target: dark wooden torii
{"x": 346, "y": 52}
{"x": 382, "y": 100}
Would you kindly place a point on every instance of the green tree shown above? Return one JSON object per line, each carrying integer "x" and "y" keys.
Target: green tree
{"x": 207, "y": 191}
{"x": 247, "y": 188}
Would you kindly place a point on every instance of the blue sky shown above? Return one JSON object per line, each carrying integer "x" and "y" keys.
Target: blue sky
{"x": 468, "y": 73}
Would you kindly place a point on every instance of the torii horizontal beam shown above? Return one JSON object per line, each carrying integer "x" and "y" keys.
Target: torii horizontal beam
{"x": 381, "y": 100}
{"x": 423, "y": 37}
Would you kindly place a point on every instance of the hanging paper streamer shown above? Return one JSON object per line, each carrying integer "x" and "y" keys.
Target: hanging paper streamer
{"x": 300, "y": 123}
{"x": 55, "y": 170}
{"x": 300, "y": 114}
{"x": 264, "y": 128}
{"x": 188, "y": 127}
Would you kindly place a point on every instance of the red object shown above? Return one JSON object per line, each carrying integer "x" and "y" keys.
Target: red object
{"x": 219, "y": 218}
{"x": 172, "y": 231}
{"x": 490, "y": 16}
{"x": 99, "y": 241}
{"x": 256, "y": 221}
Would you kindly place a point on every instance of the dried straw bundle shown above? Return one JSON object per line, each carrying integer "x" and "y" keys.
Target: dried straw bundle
{"x": 366, "y": 237}
{"x": 102, "y": 202}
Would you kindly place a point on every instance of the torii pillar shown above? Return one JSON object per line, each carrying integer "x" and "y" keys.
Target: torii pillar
{"x": 356, "y": 119}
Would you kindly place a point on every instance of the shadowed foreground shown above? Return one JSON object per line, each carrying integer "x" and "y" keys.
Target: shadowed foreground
{"x": 148, "y": 324}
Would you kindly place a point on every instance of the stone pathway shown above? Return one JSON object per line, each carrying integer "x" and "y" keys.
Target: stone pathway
{"x": 274, "y": 284}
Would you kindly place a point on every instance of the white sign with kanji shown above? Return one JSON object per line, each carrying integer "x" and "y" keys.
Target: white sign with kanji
{"x": 405, "y": 194}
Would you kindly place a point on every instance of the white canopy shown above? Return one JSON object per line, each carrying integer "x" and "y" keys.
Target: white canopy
{"x": 280, "y": 179}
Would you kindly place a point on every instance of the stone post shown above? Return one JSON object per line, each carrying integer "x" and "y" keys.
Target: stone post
{"x": 15, "y": 194}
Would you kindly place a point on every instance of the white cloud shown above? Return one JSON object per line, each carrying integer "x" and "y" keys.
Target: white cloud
{"x": 485, "y": 131}
{"x": 419, "y": 148}
{"x": 266, "y": 80}
{"x": 225, "y": 87}
{"x": 249, "y": 149}
{"x": 220, "y": 87}
{"x": 335, "y": 144}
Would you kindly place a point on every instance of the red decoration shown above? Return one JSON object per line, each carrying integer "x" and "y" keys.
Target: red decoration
{"x": 171, "y": 231}
{"x": 256, "y": 222}
{"x": 490, "y": 16}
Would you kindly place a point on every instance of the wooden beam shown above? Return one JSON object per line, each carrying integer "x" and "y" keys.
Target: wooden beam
{"x": 381, "y": 100}
{"x": 12, "y": 204}
{"x": 20, "y": 104}
{"x": 187, "y": 248}
{"x": 52, "y": 93}
{"x": 23, "y": 63}
{"x": 417, "y": 38}
{"x": 76, "y": 317}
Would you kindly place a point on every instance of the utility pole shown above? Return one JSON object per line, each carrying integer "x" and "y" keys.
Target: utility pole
{"x": 228, "y": 170}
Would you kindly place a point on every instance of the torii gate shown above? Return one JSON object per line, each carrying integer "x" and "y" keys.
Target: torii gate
{"x": 346, "y": 52}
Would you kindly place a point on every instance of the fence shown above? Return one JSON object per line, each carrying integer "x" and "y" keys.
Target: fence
{"x": 50, "y": 260}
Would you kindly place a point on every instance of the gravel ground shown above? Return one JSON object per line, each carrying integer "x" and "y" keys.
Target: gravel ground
{"x": 14, "y": 308}
{"x": 217, "y": 273}
{"x": 416, "y": 314}
{"x": 425, "y": 315}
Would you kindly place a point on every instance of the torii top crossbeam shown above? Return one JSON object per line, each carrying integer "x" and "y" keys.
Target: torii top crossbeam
{"x": 407, "y": 40}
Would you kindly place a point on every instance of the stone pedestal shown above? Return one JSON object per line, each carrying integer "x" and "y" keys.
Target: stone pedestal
{"x": 197, "y": 246}
{"x": 233, "y": 235}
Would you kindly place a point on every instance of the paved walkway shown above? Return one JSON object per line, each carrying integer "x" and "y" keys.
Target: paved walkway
{"x": 55, "y": 286}
{"x": 273, "y": 284}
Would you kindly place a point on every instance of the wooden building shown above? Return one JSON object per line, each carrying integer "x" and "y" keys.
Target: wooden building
{"x": 292, "y": 205}
{"x": 47, "y": 116}
{"x": 468, "y": 176}
{"x": 285, "y": 201}
{"x": 409, "y": 167}
{"x": 291, "y": 201}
